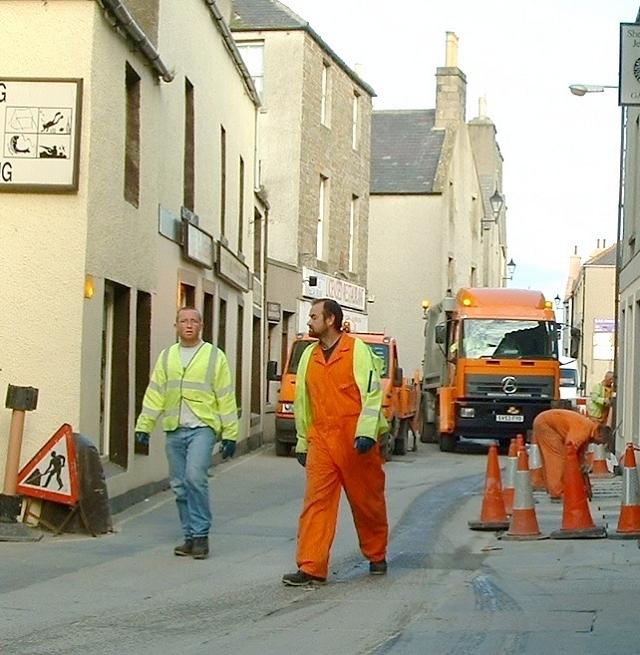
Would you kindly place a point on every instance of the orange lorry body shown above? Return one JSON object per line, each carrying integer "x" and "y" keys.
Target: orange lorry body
{"x": 400, "y": 400}
{"x": 491, "y": 364}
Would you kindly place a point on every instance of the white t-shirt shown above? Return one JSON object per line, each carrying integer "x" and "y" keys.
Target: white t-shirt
{"x": 187, "y": 418}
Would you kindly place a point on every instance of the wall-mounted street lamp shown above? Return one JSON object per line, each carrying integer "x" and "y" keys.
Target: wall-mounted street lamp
{"x": 496, "y": 201}
{"x": 511, "y": 269}
{"x": 557, "y": 301}
{"x": 583, "y": 89}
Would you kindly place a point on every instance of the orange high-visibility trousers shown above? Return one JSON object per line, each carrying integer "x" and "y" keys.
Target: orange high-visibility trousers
{"x": 553, "y": 429}
{"x": 333, "y": 464}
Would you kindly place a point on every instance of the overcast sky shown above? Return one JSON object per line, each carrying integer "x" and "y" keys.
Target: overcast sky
{"x": 561, "y": 152}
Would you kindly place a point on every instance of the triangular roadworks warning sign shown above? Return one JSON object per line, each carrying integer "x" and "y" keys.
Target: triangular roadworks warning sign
{"x": 51, "y": 474}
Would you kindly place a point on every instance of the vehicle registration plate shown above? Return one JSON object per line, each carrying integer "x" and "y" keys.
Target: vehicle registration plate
{"x": 509, "y": 418}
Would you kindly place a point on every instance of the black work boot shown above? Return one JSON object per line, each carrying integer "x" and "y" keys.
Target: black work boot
{"x": 378, "y": 568}
{"x": 302, "y": 579}
{"x": 185, "y": 549}
{"x": 200, "y": 548}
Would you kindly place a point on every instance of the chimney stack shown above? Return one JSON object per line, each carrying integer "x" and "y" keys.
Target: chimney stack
{"x": 451, "y": 88}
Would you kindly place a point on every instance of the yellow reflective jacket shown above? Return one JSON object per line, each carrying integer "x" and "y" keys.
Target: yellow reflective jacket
{"x": 598, "y": 403}
{"x": 367, "y": 367}
{"x": 204, "y": 385}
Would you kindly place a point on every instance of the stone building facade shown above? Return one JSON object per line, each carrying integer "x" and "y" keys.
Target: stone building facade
{"x": 590, "y": 308}
{"x": 432, "y": 228}
{"x": 163, "y": 213}
{"x": 314, "y": 159}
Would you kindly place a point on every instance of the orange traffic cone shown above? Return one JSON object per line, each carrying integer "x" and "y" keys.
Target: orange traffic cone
{"x": 519, "y": 443}
{"x": 599, "y": 465}
{"x": 629, "y": 521}
{"x": 536, "y": 472}
{"x": 524, "y": 523}
{"x": 492, "y": 515}
{"x": 576, "y": 516}
{"x": 508, "y": 490}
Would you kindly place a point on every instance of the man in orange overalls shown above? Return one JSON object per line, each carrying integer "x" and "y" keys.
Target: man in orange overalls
{"x": 338, "y": 418}
{"x": 554, "y": 429}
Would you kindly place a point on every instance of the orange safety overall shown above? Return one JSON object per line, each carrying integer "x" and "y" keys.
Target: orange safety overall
{"x": 553, "y": 429}
{"x": 333, "y": 463}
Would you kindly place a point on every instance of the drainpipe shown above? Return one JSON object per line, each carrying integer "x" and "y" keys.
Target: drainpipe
{"x": 125, "y": 21}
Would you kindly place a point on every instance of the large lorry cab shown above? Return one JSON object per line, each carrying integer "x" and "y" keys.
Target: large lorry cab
{"x": 491, "y": 364}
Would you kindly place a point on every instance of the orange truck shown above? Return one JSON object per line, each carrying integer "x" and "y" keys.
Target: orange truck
{"x": 400, "y": 404}
{"x": 490, "y": 366}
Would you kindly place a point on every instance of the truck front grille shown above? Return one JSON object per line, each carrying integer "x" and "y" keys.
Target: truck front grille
{"x": 509, "y": 386}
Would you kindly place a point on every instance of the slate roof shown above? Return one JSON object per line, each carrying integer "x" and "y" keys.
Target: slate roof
{"x": 605, "y": 258}
{"x": 405, "y": 151}
{"x": 266, "y": 15}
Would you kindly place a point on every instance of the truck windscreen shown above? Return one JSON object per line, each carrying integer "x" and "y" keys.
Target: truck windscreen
{"x": 508, "y": 339}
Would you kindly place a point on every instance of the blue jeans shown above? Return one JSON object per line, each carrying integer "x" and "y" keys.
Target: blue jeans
{"x": 189, "y": 452}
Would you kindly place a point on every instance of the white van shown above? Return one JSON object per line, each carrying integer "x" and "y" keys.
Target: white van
{"x": 570, "y": 381}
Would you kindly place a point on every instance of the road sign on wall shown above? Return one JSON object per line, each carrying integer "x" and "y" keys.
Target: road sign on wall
{"x": 39, "y": 134}
{"x": 629, "y": 75}
{"x": 51, "y": 474}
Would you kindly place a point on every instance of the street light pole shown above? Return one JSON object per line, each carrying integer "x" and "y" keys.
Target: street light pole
{"x": 581, "y": 90}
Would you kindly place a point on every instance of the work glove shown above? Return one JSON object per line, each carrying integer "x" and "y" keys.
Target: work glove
{"x": 228, "y": 448}
{"x": 142, "y": 438}
{"x": 364, "y": 444}
{"x": 302, "y": 458}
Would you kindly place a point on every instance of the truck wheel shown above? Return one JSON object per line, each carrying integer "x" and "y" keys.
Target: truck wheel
{"x": 282, "y": 449}
{"x": 447, "y": 443}
{"x": 429, "y": 432}
{"x": 401, "y": 436}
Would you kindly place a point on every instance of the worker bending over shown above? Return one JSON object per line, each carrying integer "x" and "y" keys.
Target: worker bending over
{"x": 553, "y": 430}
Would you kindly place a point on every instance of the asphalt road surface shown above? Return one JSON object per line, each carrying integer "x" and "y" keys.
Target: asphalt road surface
{"x": 449, "y": 590}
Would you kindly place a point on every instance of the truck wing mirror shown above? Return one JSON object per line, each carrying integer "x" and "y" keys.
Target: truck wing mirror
{"x": 441, "y": 333}
{"x": 398, "y": 377}
{"x": 272, "y": 371}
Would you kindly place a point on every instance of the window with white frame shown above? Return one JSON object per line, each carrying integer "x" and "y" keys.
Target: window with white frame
{"x": 353, "y": 232}
{"x": 325, "y": 100}
{"x": 355, "y": 120}
{"x": 253, "y": 56}
{"x": 322, "y": 218}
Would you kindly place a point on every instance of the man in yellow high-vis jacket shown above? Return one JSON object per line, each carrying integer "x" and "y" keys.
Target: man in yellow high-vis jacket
{"x": 600, "y": 399}
{"x": 191, "y": 388}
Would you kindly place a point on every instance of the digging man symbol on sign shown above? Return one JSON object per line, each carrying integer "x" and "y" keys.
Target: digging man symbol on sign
{"x": 56, "y": 464}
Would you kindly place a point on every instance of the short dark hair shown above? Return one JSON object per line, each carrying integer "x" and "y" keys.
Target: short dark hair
{"x": 331, "y": 308}
{"x": 606, "y": 436}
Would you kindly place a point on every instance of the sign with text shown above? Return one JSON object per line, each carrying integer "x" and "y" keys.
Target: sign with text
{"x": 629, "y": 74}
{"x": 274, "y": 312}
{"x": 197, "y": 245}
{"x": 39, "y": 134}
{"x": 344, "y": 293}
{"x": 603, "y": 338}
{"x": 51, "y": 474}
{"x": 232, "y": 269}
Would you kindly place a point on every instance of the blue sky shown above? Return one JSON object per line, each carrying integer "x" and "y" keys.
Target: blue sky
{"x": 561, "y": 152}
